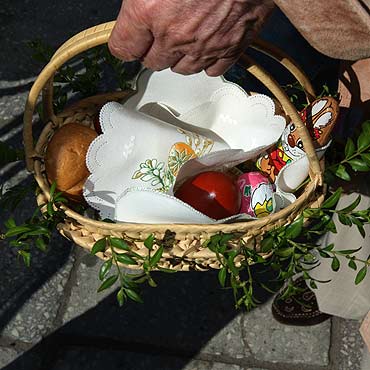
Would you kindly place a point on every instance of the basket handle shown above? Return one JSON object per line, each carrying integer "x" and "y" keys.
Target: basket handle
{"x": 100, "y": 34}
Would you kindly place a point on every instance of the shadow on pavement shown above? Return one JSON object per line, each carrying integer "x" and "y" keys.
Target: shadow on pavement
{"x": 177, "y": 319}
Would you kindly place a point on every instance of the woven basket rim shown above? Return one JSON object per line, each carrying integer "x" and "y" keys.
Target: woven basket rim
{"x": 239, "y": 226}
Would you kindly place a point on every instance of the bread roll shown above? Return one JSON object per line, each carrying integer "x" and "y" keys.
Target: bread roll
{"x": 65, "y": 159}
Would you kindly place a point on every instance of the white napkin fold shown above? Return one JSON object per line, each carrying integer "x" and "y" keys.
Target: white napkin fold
{"x": 174, "y": 127}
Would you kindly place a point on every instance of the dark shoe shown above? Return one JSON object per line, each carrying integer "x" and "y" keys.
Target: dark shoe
{"x": 301, "y": 309}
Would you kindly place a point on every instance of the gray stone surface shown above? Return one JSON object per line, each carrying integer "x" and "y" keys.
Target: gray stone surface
{"x": 22, "y": 21}
{"x": 184, "y": 314}
{"x": 7, "y": 355}
{"x": 112, "y": 360}
{"x": 203, "y": 365}
{"x": 351, "y": 345}
{"x": 12, "y": 358}
{"x": 36, "y": 316}
{"x": 84, "y": 295}
{"x": 228, "y": 341}
{"x": 271, "y": 341}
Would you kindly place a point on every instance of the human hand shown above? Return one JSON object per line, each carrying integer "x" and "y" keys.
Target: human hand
{"x": 187, "y": 35}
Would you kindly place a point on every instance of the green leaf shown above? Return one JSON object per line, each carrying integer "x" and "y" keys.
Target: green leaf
{"x": 267, "y": 243}
{"x": 342, "y": 173}
{"x": 99, "y": 246}
{"x": 26, "y": 256}
{"x": 38, "y": 230}
{"x": 119, "y": 244}
{"x": 333, "y": 199}
{"x": 52, "y": 189}
{"x": 366, "y": 158}
{"x": 361, "y": 275}
{"x": 313, "y": 285}
{"x": 331, "y": 227}
{"x": 107, "y": 283}
{"x": 10, "y": 223}
{"x": 133, "y": 295}
{"x": 308, "y": 257}
{"x": 352, "y": 264}
{"x": 335, "y": 264}
{"x": 344, "y": 219}
{"x": 105, "y": 268}
{"x": 151, "y": 282}
{"x": 50, "y": 209}
{"x": 349, "y": 251}
{"x": 222, "y": 276}
{"x": 17, "y": 230}
{"x": 149, "y": 241}
{"x": 363, "y": 141}
{"x": 312, "y": 213}
{"x": 156, "y": 258}
{"x": 41, "y": 245}
{"x": 18, "y": 244}
{"x": 231, "y": 264}
{"x": 359, "y": 225}
{"x": 358, "y": 165}
{"x": 125, "y": 259}
{"x": 329, "y": 248}
{"x": 366, "y": 127}
{"x": 352, "y": 206}
{"x": 121, "y": 297}
{"x": 225, "y": 238}
{"x": 294, "y": 229}
{"x": 167, "y": 271}
{"x": 324, "y": 254}
{"x": 350, "y": 148}
{"x": 285, "y": 252}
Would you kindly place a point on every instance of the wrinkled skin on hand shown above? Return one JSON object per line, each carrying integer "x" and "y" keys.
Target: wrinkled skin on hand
{"x": 187, "y": 35}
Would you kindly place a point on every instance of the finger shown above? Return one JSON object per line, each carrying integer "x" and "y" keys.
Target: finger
{"x": 190, "y": 65}
{"x": 159, "y": 57}
{"x": 220, "y": 66}
{"x": 129, "y": 40}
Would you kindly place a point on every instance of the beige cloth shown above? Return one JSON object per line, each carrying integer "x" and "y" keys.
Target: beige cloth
{"x": 337, "y": 28}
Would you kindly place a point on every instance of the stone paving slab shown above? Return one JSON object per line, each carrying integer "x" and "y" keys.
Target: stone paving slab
{"x": 51, "y": 22}
{"x": 349, "y": 352}
{"x": 36, "y": 316}
{"x": 84, "y": 296}
{"x": 187, "y": 312}
{"x": 12, "y": 359}
{"x": 82, "y": 358}
{"x": 271, "y": 341}
{"x": 30, "y": 297}
{"x": 7, "y": 355}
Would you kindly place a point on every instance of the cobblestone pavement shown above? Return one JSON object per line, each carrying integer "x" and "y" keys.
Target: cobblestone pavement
{"x": 50, "y": 314}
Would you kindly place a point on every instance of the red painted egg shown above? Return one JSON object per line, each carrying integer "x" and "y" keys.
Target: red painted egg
{"x": 213, "y": 193}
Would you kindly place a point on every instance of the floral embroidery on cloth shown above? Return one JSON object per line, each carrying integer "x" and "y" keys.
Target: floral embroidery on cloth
{"x": 164, "y": 175}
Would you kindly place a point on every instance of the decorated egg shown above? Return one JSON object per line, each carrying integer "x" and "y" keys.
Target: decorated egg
{"x": 213, "y": 193}
{"x": 319, "y": 118}
{"x": 256, "y": 194}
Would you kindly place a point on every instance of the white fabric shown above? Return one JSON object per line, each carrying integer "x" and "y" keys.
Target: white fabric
{"x": 213, "y": 122}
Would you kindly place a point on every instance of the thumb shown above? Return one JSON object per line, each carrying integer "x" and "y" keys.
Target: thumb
{"x": 129, "y": 39}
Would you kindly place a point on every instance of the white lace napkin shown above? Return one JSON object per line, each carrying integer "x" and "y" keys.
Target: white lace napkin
{"x": 174, "y": 127}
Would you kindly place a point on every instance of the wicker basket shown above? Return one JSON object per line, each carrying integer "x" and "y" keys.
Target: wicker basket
{"x": 186, "y": 251}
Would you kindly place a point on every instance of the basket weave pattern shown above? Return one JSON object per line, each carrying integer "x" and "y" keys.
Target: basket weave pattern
{"x": 185, "y": 251}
